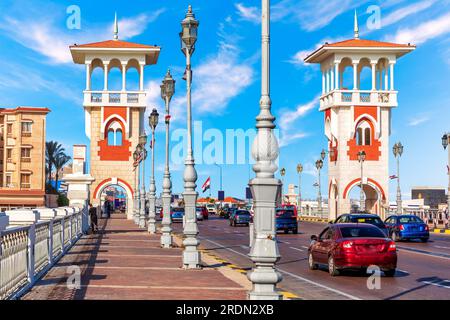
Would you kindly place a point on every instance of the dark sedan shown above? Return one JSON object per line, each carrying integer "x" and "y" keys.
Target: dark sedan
{"x": 286, "y": 220}
{"x": 177, "y": 214}
{"x": 240, "y": 217}
{"x": 363, "y": 218}
{"x": 407, "y": 227}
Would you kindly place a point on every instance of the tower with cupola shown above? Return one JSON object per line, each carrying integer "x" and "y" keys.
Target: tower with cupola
{"x": 114, "y": 119}
{"x": 358, "y": 95}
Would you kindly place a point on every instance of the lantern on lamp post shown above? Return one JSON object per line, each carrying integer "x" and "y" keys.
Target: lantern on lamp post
{"x": 153, "y": 122}
{"x": 142, "y": 143}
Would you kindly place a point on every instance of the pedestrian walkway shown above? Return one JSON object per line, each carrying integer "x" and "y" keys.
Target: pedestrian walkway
{"x": 123, "y": 262}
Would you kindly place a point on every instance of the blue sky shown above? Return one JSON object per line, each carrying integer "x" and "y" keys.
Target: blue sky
{"x": 36, "y": 70}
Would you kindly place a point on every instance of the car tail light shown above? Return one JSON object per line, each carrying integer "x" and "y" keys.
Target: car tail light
{"x": 402, "y": 227}
{"x": 427, "y": 228}
{"x": 392, "y": 246}
{"x": 347, "y": 245}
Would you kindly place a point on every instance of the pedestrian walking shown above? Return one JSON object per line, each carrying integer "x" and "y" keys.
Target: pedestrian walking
{"x": 93, "y": 216}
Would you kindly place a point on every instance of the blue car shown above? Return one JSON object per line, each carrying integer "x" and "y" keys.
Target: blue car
{"x": 286, "y": 220}
{"x": 407, "y": 227}
{"x": 177, "y": 214}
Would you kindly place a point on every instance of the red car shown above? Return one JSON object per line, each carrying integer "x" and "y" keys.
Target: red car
{"x": 203, "y": 211}
{"x": 352, "y": 246}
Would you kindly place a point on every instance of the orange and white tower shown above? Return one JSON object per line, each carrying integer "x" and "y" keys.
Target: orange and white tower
{"x": 357, "y": 108}
{"x": 114, "y": 120}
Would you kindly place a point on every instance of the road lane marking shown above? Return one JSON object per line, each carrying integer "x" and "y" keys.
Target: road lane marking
{"x": 403, "y": 271}
{"x": 440, "y": 247}
{"x": 291, "y": 274}
{"x": 305, "y": 247}
{"x": 438, "y": 283}
{"x": 245, "y": 247}
{"x": 294, "y": 248}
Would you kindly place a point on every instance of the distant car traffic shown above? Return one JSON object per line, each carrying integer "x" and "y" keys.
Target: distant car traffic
{"x": 286, "y": 220}
{"x": 407, "y": 227}
{"x": 226, "y": 212}
{"x": 211, "y": 207}
{"x": 177, "y": 214}
{"x": 352, "y": 246}
{"x": 201, "y": 213}
{"x": 363, "y": 218}
{"x": 240, "y": 217}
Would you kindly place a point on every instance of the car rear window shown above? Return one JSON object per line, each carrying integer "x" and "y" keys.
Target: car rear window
{"x": 410, "y": 219}
{"x": 370, "y": 220}
{"x": 285, "y": 213}
{"x": 242, "y": 213}
{"x": 361, "y": 232}
{"x": 178, "y": 210}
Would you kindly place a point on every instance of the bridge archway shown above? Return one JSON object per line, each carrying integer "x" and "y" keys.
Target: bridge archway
{"x": 111, "y": 182}
{"x": 373, "y": 194}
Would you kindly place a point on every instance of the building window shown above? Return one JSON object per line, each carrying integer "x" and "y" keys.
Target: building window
{"x": 8, "y": 181}
{"x": 25, "y": 181}
{"x": 9, "y": 128}
{"x": 26, "y": 129}
{"x": 8, "y": 155}
{"x": 25, "y": 154}
{"x": 115, "y": 136}
{"x": 363, "y": 134}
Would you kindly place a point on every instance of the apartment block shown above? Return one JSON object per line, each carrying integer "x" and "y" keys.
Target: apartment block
{"x": 22, "y": 157}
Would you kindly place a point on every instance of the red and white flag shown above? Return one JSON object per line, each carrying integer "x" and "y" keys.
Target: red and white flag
{"x": 393, "y": 177}
{"x": 206, "y": 185}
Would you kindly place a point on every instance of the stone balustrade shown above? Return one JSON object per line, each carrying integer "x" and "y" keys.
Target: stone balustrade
{"x": 32, "y": 241}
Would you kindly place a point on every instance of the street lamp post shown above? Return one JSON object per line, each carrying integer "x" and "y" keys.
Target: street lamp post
{"x": 136, "y": 186}
{"x": 361, "y": 159}
{"x": 142, "y": 143}
{"x": 265, "y": 187}
{"x": 299, "y": 200}
{"x": 319, "y": 166}
{"x": 167, "y": 91}
{"x": 445, "y": 143}
{"x": 153, "y": 122}
{"x": 282, "y": 173}
{"x": 191, "y": 255}
{"x": 398, "y": 151}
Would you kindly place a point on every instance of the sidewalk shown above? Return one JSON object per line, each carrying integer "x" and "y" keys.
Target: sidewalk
{"x": 125, "y": 262}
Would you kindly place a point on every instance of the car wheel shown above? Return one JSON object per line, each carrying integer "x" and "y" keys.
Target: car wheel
{"x": 394, "y": 236}
{"x": 424, "y": 240}
{"x": 332, "y": 267}
{"x": 389, "y": 273}
{"x": 311, "y": 263}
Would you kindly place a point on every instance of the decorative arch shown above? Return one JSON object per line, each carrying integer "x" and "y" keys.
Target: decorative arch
{"x": 370, "y": 182}
{"x": 109, "y": 182}
{"x": 372, "y": 149}
{"x": 115, "y": 152}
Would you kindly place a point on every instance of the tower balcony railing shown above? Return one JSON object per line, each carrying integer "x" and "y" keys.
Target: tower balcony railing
{"x": 114, "y": 98}
{"x": 358, "y": 97}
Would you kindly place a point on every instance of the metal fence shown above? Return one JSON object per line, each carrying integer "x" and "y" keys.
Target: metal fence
{"x": 28, "y": 252}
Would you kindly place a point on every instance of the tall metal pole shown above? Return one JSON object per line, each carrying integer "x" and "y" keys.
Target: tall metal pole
{"x": 142, "y": 213}
{"x": 191, "y": 255}
{"x": 166, "y": 237}
{"x": 152, "y": 191}
{"x": 399, "y": 193}
{"x": 135, "y": 198}
{"x": 448, "y": 190}
{"x": 299, "y": 201}
{"x": 264, "y": 252}
{"x": 138, "y": 194}
{"x": 362, "y": 203}
{"x": 319, "y": 198}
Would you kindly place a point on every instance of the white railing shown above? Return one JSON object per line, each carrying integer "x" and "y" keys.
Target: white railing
{"x": 114, "y": 98}
{"x": 28, "y": 252}
{"x": 359, "y": 98}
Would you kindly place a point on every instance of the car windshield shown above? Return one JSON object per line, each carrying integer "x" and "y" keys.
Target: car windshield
{"x": 410, "y": 219}
{"x": 198, "y": 209}
{"x": 178, "y": 210}
{"x": 285, "y": 213}
{"x": 371, "y": 220}
{"x": 242, "y": 213}
{"x": 361, "y": 232}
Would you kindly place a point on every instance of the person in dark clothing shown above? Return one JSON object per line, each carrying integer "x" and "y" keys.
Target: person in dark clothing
{"x": 93, "y": 216}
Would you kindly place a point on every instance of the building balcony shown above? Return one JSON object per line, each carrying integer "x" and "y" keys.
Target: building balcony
{"x": 349, "y": 98}
{"x": 114, "y": 98}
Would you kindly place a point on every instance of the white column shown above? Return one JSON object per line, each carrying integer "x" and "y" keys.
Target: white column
{"x": 124, "y": 77}
{"x": 332, "y": 78}
{"x": 105, "y": 71}
{"x": 88, "y": 76}
{"x": 327, "y": 83}
{"x": 336, "y": 73}
{"x": 355, "y": 76}
{"x": 374, "y": 79}
{"x": 386, "y": 80}
{"x": 323, "y": 82}
{"x": 141, "y": 77}
{"x": 391, "y": 65}
{"x": 380, "y": 78}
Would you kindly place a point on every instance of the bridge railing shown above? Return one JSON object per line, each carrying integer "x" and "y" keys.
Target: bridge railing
{"x": 28, "y": 252}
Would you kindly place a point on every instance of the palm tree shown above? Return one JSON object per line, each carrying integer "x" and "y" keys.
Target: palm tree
{"x": 60, "y": 163}
{"x": 53, "y": 150}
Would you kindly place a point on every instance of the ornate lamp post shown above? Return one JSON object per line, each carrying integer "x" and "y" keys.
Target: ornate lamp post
{"x": 142, "y": 143}
{"x": 282, "y": 173}
{"x": 136, "y": 186}
{"x": 361, "y": 159}
{"x": 153, "y": 122}
{"x": 167, "y": 91}
{"x": 319, "y": 166}
{"x": 299, "y": 200}
{"x": 191, "y": 255}
{"x": 445, "y": 143}
{"x": 265, "y": 187}
{"x": 398, "y": 151}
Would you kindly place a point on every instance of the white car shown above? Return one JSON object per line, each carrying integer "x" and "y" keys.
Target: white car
{"x": 211, "y": 208}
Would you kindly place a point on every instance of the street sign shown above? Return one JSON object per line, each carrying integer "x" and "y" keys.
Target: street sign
{"x": 248, "y": 193}
{"x": 221, "y": 195}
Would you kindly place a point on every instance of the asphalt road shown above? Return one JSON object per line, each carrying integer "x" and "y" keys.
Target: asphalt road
{"x": 423, "y": 270}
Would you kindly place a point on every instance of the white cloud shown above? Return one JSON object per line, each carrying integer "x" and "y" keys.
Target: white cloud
{"x": 423, "y": 32}
{"x": 45, "y": 38}
{"x": 406, "y": 11}
{"x": 298, "y": 58}
{"x": 418, "y": 120}
{"x": 251, "y": 14}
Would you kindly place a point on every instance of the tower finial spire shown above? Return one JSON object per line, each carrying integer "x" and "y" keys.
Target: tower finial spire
{"x": 116, "y": 28}
{"x": 356, "y": 26}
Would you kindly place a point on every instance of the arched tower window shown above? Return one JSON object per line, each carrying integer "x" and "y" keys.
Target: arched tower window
{"x": 363, "y": 134}
{"x": 115, "y": 134}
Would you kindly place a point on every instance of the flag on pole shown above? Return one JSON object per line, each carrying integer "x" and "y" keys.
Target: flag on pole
{"x": 206, "y": 185}
{"x": 393, "y": 177}
{"x": 316, "y": 184}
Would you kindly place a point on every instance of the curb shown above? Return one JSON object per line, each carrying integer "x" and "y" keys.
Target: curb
{"x": 441, "y": 231}
{"x": 312, "y": 219}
